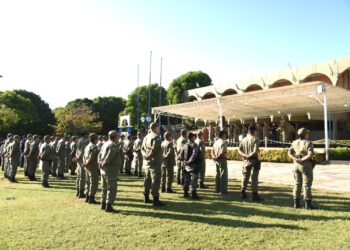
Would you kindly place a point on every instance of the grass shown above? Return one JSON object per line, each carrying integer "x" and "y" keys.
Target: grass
{"x": 36, "y": 218}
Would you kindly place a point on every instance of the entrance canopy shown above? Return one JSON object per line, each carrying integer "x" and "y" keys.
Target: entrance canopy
{"x": 293, "y": 100}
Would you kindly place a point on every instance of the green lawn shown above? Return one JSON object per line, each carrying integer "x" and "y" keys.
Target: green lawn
{"x": 36, "y": 218}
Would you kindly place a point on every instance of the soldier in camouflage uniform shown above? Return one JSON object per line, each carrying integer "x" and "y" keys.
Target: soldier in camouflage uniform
{"x": 14, "y": 154}
{"x": 32, "y": 158}
{"x": 127, "y": 151}
{"x": 152, "y": 152}
{"x": 189, "y": 155}
{"x": 168, "y": 163}
{"x": 91, "y": 166}
{"x": 181, "y": 141}
{"x": 68, "y": 156}
{"x": 73, "y": 151}
{"x": 46, "y": 156}
{"x": 109, "y": 161}
{"x": 201, "y": 159}
{"x": 121, "y": 146}
{"x": 219, "y": 155}
{"x": 53, "y": 144}
{"x": 61, "y": 152}
{"x": 301, "y": 152}
{"x": 82, "y": 143}
{"x": 26, "y": 153}
{"x": 138, "y": 154}
{"x": 249, "y": 150}
{"x": 7, "y": 155}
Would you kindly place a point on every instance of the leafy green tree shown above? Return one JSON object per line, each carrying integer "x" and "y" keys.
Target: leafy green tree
{"x": 45, "y": 115}
{"x": 73, "y": 120}
{"x": 190, "y": 80}
{"x": 79, "y": 103}
{"x": 17, "y": 113}
{"x": 142, "y": 94}
{"x": 108, "y": 110}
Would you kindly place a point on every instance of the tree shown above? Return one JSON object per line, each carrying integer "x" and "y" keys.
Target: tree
{"x": 142, "y": 92}
{"x": 74, "y": 120}
{"x": 108, "y": 109}
{"x": 17, "y": 113}
{"x": 190, "y": 80}
{"x": 79, "y": 103}
{"x": 45, "y": 115}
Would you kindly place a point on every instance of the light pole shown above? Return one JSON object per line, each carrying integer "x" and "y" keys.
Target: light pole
{"x": 144, "y": 119}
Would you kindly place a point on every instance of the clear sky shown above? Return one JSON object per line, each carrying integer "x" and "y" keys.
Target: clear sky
{"x": 67, "y": 49}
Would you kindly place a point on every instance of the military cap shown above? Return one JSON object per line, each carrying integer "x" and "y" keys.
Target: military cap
{"x": 190, "y": 135}
{"x": 153, "y": 125}
{"x": 93, "y": 136}
{"x": 139, "y": 133}
{"x": 17, "y": 137}
{"x": 46, "y": 137}
{"x": 9, "y": 135}
{"x": 183, "y": 131}
{"x": 303, "y": 131}
{"x": 112, "y": 133}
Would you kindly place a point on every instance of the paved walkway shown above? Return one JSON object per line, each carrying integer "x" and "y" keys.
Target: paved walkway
{"x": 335, "y": 177}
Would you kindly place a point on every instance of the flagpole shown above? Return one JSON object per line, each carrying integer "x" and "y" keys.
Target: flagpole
{"x": 160, "y": 86}
{"x": 149, "y": 90}
{"x": 138, "y": 97}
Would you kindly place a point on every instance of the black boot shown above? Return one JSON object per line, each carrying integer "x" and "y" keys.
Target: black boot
{"x": 46, "y": 184}
{"x": 163, "y": 189}
{"x": 110, "y": 209}
{"x": 103, "y": 205}
{"x": 243, "y": 195}
{"x": 12, "y": 179}
{"x": 201, "y": 185}
{"x": 157, "y": 203}
{"x": 77, "y": 194}
{"x": 186, "y": 193}
{"x": 92, "y": 200}
{"x": 309, "y": 206}
{"x": 81, "y": 195}
{"x": 26, "y": 173}
{"x": 178, "y": 181}
{"x": 72, "y": 173}
{"x": 297, "y": 203}
{"x": 256, "y": 197}
{"x": 195, "y": 196}
{"x": 54, "y": 175}
{"x": 136, "y": 174}
{"x": 147, "y": 199}
{"x": 87, "y": 198}
{"x": 170, "y": 191}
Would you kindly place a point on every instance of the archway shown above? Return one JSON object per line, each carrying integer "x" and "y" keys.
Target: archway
{"x": 253, "y": 87}
{"x": 209, "y": 95}
{"x": 191, "y": 99}
{"x": 317, "y": 77}
{"x": 229, "y": 92}
{"x": 344, "y": 79}
{"x": 281, "y": 83}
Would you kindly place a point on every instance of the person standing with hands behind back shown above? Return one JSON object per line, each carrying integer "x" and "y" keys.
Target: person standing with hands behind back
{"x": 219, "y": 155}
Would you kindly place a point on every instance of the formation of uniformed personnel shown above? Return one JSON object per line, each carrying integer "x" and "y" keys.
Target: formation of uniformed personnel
{"x": 61, "y": 152}
{"x": 181, "y": 141}
{"x": 201, "y": 159}
{"x": 46, "y": 156}
{"x": 82, "y": 143}
{"x": 101, "y": 140}
{"x": 14, "y": 157}
{"x": 249, "y": 150}
{"x": 26, "y": 152}
{"x": 32, "y": 157}
{"x": 138, "y": 154}
{"x": 109, "y": 161}
{"x": 21, "y": 147}
{"x": 286, "y": 131}
{"x": 301, "y": 152}
{"x": 219, "y": 155}
{"x": 152, "y": 152}
{"x": 168, "y": 163}
{"x": 189, "y": 155}
{"x": 128, "y": 154}
{"x": 91, "y": 165}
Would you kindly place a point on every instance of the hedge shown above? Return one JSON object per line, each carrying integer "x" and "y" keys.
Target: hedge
{"x": 281, "y": 155}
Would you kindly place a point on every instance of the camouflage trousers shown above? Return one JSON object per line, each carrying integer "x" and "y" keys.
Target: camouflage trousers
{"x": 221, "y": 178}
{"x": 191, "y": 179}
{"x": 138, "y": 163}
{"x": 167, "y": 175}
{"x": 45, "y": 170}
{"x": 91, "y": 181}
{"x": 152, "y": 181}
{"x": 247, "y": 172}
{"x": 109, "y": 188}
{"x": 80, "y": 176}
{"x": 303, "y": 177}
